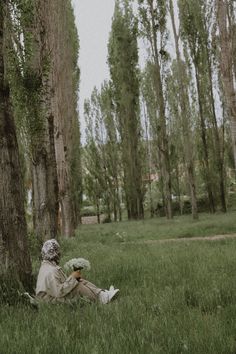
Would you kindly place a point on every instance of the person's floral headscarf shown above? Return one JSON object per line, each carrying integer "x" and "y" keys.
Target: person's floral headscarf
{"x": 51, "y": 250}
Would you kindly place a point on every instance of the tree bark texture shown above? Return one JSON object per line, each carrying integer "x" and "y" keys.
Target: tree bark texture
{"x": 14, "y": 252}
{"x": 44, "y": 173}
{"x": 64, "y": 106}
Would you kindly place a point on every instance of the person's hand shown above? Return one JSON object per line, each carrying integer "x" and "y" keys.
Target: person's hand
{"x": 76, "y": 274}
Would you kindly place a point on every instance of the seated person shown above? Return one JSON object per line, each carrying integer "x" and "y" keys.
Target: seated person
{"x": 54, "y": 286}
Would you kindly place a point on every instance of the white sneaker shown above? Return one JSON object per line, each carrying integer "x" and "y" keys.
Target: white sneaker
{"x": 108, "y": 295}
{"x": 32, "y": 300}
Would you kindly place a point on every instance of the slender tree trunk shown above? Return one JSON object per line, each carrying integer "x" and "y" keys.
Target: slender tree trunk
{"x": 98, "y": 212}
{"x": 108, "y": 204}
{"x": 205, "y": 147}
{"x": 226, "y": 64}
{"x": 164, "y": 149}
{"x": 14, "y": 252}
{"x": 132, "y": 166}
{"x": 188, "y": 155}
{"x": 178, "y": 190}
{"x": 114, "y": 209}
{"x": 161, "y": 183}
{"x": 219, "y": 156}
{"x": 148, "y": 153}
{"x": 118, "y": 199}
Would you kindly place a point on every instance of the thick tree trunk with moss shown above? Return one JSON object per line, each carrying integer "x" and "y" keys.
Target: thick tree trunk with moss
{"x": 63, "y": 173}
{"x": 64, "y": 103}
{"x": 45, "y": 188}
{"x": 52, "y": 74}
{"x": 42, "y": 121}
{"x": 14, "y": 252}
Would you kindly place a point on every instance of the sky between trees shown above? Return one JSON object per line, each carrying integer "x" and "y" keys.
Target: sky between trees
{"x": 93, "y": 20}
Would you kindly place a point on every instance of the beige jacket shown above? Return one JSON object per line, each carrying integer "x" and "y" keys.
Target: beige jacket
{"x": 52, "y": 284}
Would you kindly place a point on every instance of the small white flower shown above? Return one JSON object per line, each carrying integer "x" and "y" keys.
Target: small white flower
{"x": 77, "y": 263}
{"x": 121, "y": 236}
{"x": 185, "y": 347}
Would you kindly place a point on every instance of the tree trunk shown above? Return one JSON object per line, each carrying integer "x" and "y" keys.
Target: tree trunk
{"x": 132, "y": 165}
{"x": 45, "y": 188}
{"x": 219, "y": 155}
{"x": 163, "y": 138}
{"x": 98, "y": 212}
{"x": 67, "y": 229}
{"x": 63, "y": 103}
{"x": 226, "y": 65}
{"x": 178, "y": 189}
{"x": 14, "y": 252}
{"x": 42, "y": 120}
{"x": 118, "y": 199}
{"x": 148, "y": 154}
{"x": 188, "y": 155}
{"x": 205, "y": 147}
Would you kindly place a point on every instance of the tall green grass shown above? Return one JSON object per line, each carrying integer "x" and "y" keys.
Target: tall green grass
{"x": 174, "y": 298}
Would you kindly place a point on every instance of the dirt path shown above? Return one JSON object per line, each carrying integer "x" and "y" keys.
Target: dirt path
{"x": 187, "y": 239}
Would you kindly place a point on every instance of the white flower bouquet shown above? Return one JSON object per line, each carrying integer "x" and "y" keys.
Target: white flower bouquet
{"x": 77, "y": 264}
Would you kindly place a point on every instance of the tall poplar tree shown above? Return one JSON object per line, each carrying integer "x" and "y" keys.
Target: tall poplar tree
{"x": 112, "y": 149}
{"x": 64, "y": 46}
{"x": 193, "y": 32}
{"x": 153, "y": 28}
{"x": 185, "y": 115}
{"x": 32, "y": 92}
{"x": 49, "y": 76}
{"x": 150, "y": 107}
{"x": 94, "y": 166}
{"x": 102, "y": 153}
{"x": 123, "y": 63}
{"x": 14, "y": 252}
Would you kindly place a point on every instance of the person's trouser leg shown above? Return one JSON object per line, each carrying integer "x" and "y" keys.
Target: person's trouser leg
{"x": 85, "y": 289}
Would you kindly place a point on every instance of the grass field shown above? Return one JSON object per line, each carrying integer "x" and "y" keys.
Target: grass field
{"x": 174, "y": 298}
{"x": 160, "y": 228}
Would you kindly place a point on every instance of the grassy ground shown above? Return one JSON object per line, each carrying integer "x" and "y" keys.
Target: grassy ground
{"x": 175, "y": 297}
{"x": 160, "y": 228}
